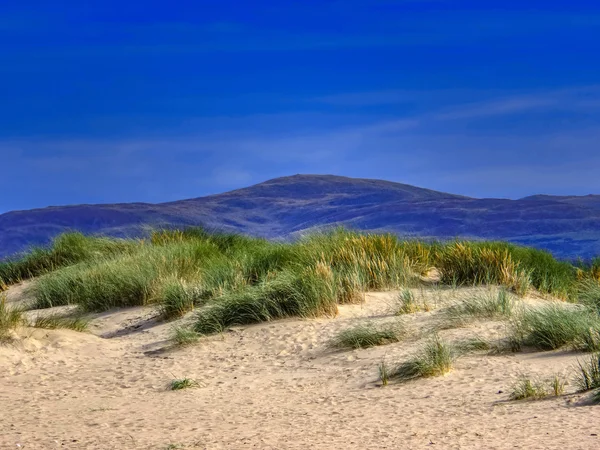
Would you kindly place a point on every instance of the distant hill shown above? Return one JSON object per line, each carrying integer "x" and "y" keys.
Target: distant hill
{"x": 568, "y": 226}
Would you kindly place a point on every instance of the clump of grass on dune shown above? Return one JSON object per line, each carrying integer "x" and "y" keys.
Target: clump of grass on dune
{"x": 301, "y": 293}
{"x": 557, "y": 385}
{"x": 128, "y": 280}
{"x": 406, "y": 303}
{"x": 368, "y": 335}
{"x": 484, "y": 306}
{"x": 475, "y": 263}
{"x": 526, "y": 388}
{"x": 183, "y": 383}
{"x": 54, "y": 322}
{"x": 177, "y": 300}
{"x": 517, "y": 268}
{"x": 589, "y": 293}
{"x": 182, "y": 336}
{"x": 435, "y": 358}
{"x": 10, "y": 318}
{"x": 112, "y": 283}
{"x": 587, "y": 376}
{"x": 361, "y": 262}
{"x": 555, "y": 325}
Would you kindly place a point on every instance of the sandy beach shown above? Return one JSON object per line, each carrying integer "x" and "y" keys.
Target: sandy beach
{"x": 275, "y": 385}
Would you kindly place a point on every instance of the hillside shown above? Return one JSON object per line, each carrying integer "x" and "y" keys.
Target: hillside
{"x": 568, "y": 226}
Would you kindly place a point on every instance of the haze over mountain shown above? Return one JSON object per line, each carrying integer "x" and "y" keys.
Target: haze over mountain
{"x": 568, "y": 226}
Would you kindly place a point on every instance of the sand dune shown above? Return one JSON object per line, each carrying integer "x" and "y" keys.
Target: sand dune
{"x": 273, "y": 386}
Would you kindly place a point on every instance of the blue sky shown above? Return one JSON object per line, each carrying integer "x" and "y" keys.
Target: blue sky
{"x": 157, "y": 101}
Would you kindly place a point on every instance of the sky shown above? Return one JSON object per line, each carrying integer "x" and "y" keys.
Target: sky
{"x": 129, "y": 101}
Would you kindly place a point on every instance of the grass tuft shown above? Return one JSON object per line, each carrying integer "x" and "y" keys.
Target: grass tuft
{"x": 408, "y": 304}
{"x": 384, "y": 372}
{"x": 184, "y": 336}
{"x": 589, "y": 294}
{"x": 309, "y": 293}
{"x": 67, "y": 249}
{"x": 183, "y": 383}
{"x": 526, "y": 388}
{"x": 177, "y": 300}
{"x": 587, "y": 376}
{"x": 54, "y": 322}
{"x": 10, "y": 318}
{"x": 499, "y": 306}
{"x": 436, "y": 358}
{"x": 557, "y": 385}
{"x": 368, "y": 335}
{"x": 555, "y": 325}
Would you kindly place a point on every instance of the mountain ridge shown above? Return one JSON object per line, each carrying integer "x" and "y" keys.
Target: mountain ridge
{"x": 284, "y": 207}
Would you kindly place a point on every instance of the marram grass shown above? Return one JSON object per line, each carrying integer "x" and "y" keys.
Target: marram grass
{"x": 555, "y": 325}
{"x": 10, "y": 318}
{"x": 368, "y": 335}
{"x": 230, "y": 279}
{"x": 434, "y": 359}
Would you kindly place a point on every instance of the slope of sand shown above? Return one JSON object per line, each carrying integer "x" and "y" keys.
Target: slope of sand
{"x": 273, "y": 386}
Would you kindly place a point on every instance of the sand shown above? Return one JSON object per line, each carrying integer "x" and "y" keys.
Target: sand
{"x": 273, "y": 386}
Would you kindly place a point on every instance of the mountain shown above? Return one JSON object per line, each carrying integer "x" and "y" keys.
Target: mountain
{"x": 568, "y": 226}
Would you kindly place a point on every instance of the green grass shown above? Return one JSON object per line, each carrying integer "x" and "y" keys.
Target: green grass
{"x": 587, "y": 376}
{"x": 485, "y": 306}
{"x": 10, "y": 318}
{"x": 54, "y": 322}
{"x": 526, "y": 388}
{"x": 555, "y": 325}
{"x": 184, "y": 336}
{"x": 368, "y": 335}
{"x": 557, "y": 385}
{"x": 215, "y": 273}
{"x": 435, "y": 358}
{"x": 406, "y": 303}
{"x": 177, "y": 300}
{"x": 589, "y": 293}
{"x": 306, "y": 293}
{"x": 183, "y": 383}
{"x": 517, "y": 268}
{"x": 384, "y": 372}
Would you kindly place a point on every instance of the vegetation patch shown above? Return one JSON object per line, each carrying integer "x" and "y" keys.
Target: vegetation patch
{"x": 406, "y": 303}
{"x": 587, "y": 376}
{"x": 368, "y": 335}
{"x": 53, "y": 322}
{"x": 309, "y": 293}
{"x": 184, "y": 336}
{"x": 589, "y": 293}
{"x": 555, "y": 325}
{"x": 183, "y": 383}
{"x": 177, "y": 300}
{"x": 435, "y": 358}
{"x": 214, "y": 273}
{"x": 526, "y": 388}
{"x": 10, "y": 318}
{"x": 485, "y": 306}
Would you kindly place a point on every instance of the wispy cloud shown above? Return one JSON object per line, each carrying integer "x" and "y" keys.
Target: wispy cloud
{"x": 582, "y": 99}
